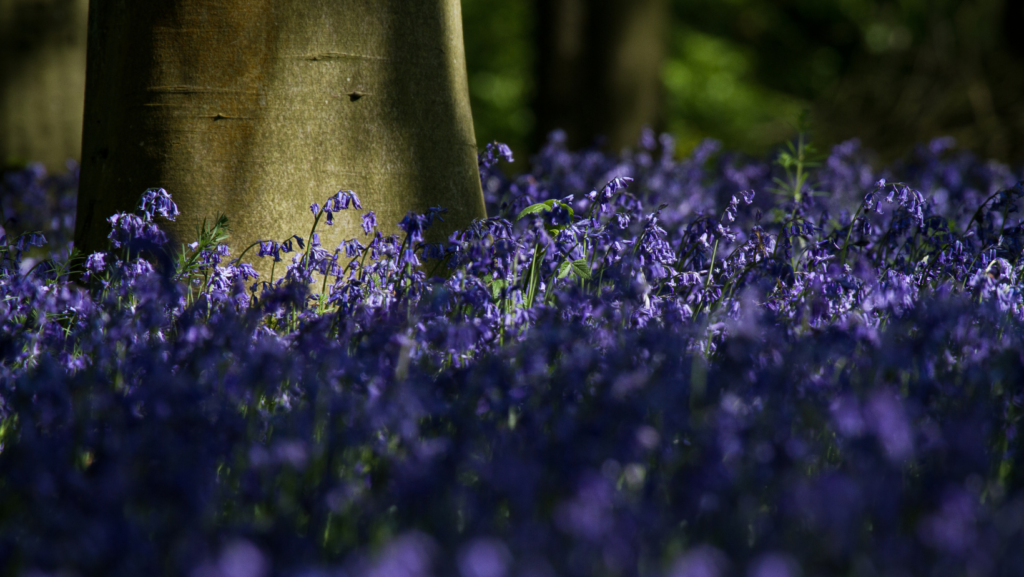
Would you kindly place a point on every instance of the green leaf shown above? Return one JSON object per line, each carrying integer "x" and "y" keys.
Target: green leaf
{"x": 563, "y": 271}
{"x": 546, "y": 206}
{"x": 496, "y": 287}
{"x": 535, "y": 208}
{"x": 579, "y": 268}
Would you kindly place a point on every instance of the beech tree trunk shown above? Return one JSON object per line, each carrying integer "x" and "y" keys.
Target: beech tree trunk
{"x": 259, "y": 108}
{"x": 599, "y": 68}
{"x": 42, "y": 81}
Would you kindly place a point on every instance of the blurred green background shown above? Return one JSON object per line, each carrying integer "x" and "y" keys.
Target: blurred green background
{"x": 891, "y": 73}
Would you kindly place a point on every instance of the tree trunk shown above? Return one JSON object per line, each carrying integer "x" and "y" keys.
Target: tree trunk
{"x": 599, "y": 69}
{"x": 42, "y": 80}
{"x": 259, "y": 108}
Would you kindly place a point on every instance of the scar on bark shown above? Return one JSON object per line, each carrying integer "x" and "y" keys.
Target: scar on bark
{"x": 220, "y": 116}
{"x": 353, "y": 95}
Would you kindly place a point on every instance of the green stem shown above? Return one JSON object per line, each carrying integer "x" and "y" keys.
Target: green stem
{"x": 241, "y": 256}
{"x": 977, "y": 213}
{"x": 711, "y": 269}
{"x": 846, "y": 243}
{"x": 531, "y": 292}
{"x": 309, "y": 240}
{"x": 707, "y": 283}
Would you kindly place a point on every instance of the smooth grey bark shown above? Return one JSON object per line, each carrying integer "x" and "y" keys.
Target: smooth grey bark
{"x": 42, "y": 80}
{"x": 599, "y": 68}
{"x": 258, "y": 108}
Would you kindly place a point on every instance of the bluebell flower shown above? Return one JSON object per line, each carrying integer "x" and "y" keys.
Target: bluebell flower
{"x": 855, "y": 371}
{"x": 413, "y": 225}
{"x": 157, "y": 201}
{"x": 343, "y": 199}
{"x": 493, "y": 152}
{"x": 369, "y": 222}
{"x": 127, "y": 227}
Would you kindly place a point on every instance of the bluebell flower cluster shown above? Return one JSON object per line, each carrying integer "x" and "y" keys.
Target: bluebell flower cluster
{"x": 637, "y": 365}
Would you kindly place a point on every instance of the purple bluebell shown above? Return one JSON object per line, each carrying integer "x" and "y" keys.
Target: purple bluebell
{"x": 725, "y": 384}
{"x": 369, "y": 222}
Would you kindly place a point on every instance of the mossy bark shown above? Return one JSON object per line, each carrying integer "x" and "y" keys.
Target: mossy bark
{"x": 599, "y": 69}
{"x": 42, "y": 81}
{"x": 258, "y": 108}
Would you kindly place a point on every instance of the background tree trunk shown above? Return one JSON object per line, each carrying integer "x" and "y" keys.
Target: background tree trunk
{"x": 258, "y": 108}
{"x": 42, "y": 80}
{"x": 599, "y": 68}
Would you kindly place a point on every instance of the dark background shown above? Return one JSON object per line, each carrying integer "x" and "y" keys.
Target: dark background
{"x": 891, "y": 73}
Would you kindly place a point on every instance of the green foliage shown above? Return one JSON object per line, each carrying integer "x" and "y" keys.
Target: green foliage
{"x": 741, "y": 71}
{"x": 712, "y": 90}
{"x": 191, "y": 267}
{"x": 546, "y": 206}
{"x": 499, "y": 58}
{"x": 579, "y": 268}
{"x": 208, "y": 237}
{"x": 795, "y": 160}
